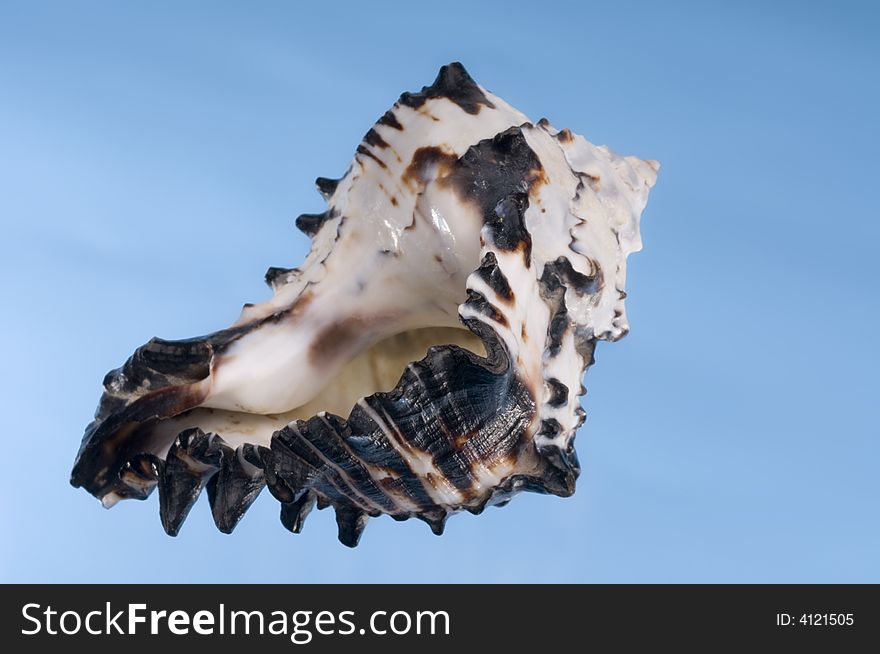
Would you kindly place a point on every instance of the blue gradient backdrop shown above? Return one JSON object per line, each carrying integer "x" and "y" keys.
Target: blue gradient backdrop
{"x": 153, "y": 157}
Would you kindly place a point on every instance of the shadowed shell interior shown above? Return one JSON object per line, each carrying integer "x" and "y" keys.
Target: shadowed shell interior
{"x": 427, "y": 356}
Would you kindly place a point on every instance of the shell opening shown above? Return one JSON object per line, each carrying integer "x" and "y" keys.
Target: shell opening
{"x": 377, "y": 369}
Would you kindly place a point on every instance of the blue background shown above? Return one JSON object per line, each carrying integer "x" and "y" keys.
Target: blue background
{"x": 153, "y": 157}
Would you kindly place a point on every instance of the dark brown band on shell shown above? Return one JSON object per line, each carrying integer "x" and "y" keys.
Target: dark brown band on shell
{"x": 326, "y": 186}
{"x": 490, "y": 273}
{"x": 236, "y": 485}
{"x": 453, "y": 83}
{"x": 310, "y": 223}
{"x": 372, "y": 138}
{"x": 583, "y": 284}
{"x": 278, "y": 276}
{"x": 498, "y": 174}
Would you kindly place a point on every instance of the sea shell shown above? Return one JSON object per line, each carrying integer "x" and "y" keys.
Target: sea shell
{"x": 456, "y": 286}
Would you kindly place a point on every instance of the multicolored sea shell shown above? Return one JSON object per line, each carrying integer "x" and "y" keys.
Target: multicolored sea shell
{"x": 427, "y": 356}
